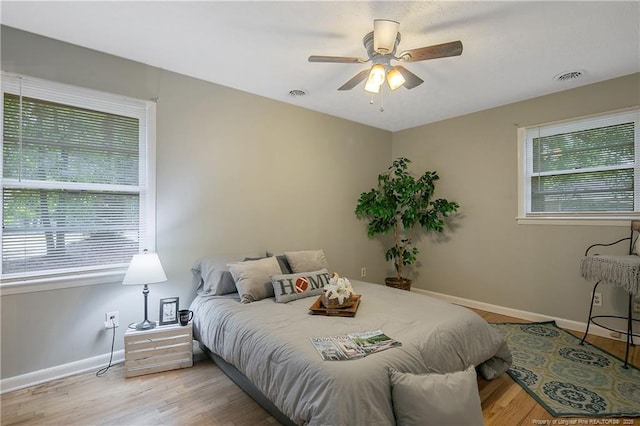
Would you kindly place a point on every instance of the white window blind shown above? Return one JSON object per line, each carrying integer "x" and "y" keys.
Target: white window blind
{"x": 584, "y": 167}
{"x": 75, "y": 187}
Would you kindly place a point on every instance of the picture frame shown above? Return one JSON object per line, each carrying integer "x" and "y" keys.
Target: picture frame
{"x": 169, "y": 311}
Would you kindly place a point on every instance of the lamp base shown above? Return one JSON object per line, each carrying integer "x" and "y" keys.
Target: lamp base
{"x": 145, "y": 325}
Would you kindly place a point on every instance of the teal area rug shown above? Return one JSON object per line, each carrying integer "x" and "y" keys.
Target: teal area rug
{"x": 567, "y": 379}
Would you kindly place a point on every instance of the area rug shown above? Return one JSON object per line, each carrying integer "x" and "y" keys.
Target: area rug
{"x": 567, "y": 379}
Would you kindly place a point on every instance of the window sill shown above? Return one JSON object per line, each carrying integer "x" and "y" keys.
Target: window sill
{"x": 577, "y": 221}
{"x": 47, "y": 283}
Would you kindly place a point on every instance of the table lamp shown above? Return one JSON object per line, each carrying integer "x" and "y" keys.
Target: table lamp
{"x": 145, "y": 269}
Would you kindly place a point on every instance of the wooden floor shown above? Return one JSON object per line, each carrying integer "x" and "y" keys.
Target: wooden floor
{"x": 203, "y": 395}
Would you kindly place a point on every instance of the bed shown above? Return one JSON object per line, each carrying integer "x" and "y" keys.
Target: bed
{"x": 269, "y": 344}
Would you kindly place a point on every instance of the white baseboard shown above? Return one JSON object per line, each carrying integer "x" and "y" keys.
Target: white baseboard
{"x": 45, "y": 375}
{"x": 525, "y": 315}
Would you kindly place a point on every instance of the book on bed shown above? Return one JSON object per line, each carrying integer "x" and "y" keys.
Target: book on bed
{"x": 352, "y": 345}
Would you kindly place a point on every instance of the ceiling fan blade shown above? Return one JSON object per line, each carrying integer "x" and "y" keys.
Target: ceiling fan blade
{"x": 337, "y": 59}
{"x": 453, "y": 48}
{"x": 411, "y": 80}
{"x": 357, "y": 79}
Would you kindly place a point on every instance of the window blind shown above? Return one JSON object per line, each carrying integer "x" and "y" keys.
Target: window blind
{"x": 584, "y": 166}
{"x": 74, "y": 179}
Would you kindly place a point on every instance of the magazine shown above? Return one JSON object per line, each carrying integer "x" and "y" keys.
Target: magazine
{"x": 352, "y": 345}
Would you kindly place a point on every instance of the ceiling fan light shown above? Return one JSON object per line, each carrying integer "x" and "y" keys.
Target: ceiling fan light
{"x": 384, "y": 35}
{"x": 372, "y": 87}
{"x": 395, "y": 79}
{"x": 375, "y": 79}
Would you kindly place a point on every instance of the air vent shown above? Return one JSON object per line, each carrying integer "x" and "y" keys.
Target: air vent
{"x": 296, "y": 93}
{"x": 567, "y": 76}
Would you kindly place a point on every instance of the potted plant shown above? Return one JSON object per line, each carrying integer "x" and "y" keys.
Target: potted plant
{"x": 402, "y": 203}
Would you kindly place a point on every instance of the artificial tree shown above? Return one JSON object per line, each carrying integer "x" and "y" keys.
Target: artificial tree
{"x": 403, "y": 203}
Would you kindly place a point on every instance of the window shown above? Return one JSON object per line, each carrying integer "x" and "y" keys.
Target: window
{"x": 581, "y": 169}
{"x": 77, "y": 187}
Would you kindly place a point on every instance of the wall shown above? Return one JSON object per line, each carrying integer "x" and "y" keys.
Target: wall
{"x": 235, "y": 173}
{"x": 489, "y": 257}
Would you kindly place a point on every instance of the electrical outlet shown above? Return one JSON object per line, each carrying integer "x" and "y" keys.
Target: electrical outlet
{"x": 363, "y": 272}
{"x": 597, "y": 299}
{"x": 108, "y": 323}
{"x": 636, "y": 305}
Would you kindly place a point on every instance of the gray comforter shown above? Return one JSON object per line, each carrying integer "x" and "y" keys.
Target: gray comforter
{"x": 269, "y": 343}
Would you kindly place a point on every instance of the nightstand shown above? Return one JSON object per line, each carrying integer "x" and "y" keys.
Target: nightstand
{"x": 162, "y": 348}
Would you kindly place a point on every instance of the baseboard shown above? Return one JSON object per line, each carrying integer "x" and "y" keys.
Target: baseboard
{"x": 525, "y": 315}
{"x": 41, "y": 376}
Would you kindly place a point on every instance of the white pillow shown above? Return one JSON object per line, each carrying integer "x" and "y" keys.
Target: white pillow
{"x": 253, "y": 278}
{"x": 436, "y": 399}
{"x": 306, "y": 260}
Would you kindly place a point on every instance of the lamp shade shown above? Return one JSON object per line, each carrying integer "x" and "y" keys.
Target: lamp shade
{"x": 375, "y": 79}
{"x": 395, "y": 79}
{"x": 384, "y": 35}
{"x": 144, "y": 269}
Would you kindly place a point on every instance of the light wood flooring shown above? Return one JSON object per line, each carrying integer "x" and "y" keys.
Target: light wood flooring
{"x": 203, "y": 395}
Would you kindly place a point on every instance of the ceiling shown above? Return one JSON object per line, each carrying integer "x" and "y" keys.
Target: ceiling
{"x": 512, "y": 49}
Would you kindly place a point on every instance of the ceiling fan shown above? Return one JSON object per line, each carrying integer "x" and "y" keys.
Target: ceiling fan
{"x": 381, "y": 45}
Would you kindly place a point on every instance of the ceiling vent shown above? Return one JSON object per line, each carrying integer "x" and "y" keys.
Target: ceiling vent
{"x": 567, "y": 76}
{"x": 296, "y": 93}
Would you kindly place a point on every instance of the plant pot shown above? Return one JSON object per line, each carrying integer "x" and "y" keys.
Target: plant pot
{"x": 401, "y": 283}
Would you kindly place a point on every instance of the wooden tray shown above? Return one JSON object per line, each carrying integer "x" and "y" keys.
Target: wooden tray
{"x": 318, "y": 308}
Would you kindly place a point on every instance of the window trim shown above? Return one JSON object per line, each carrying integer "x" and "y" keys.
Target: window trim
{"x": 103, "y": 275}
{"x": 589, "y": 219}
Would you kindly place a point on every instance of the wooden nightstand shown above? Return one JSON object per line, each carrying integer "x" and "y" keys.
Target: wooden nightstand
{"x": 162, "y": 348}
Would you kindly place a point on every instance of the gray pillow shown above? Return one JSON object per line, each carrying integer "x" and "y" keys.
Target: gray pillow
{"x": 436, "y": 399}
{"x": 253, "y": 278}
{"x": 211, "y": 276}
{"x": 284, "y": 264}
{"x": 288, "y": 287}
{"x": 306, "y": 260}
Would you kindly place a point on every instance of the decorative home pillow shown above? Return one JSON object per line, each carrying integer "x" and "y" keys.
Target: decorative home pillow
{"x": 436, "y": 399}
{"x": 252, "y": 278}
{"x": 211, "y": 275}
{"x": 306, "y": 260}
{"x": 288, "y": 287}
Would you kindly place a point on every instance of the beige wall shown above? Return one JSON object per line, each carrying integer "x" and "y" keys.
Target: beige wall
{"x": 235, "y": 173}
{"x": 489, "y": 257}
